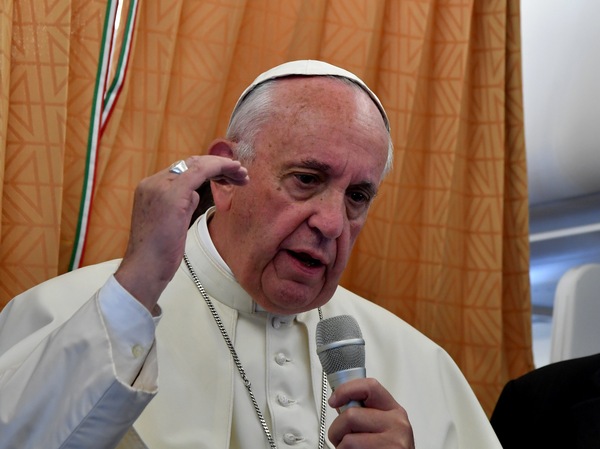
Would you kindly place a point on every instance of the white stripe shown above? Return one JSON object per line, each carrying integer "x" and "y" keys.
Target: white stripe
{"x": 93, "y": 144}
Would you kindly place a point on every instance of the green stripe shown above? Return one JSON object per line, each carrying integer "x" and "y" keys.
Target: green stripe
{"x": 91, "y": 142}
{"x": 123, "y": 53}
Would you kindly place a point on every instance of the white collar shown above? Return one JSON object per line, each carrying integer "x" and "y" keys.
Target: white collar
{"x": 206, "y": 240}
{"x": 241, "y": 302}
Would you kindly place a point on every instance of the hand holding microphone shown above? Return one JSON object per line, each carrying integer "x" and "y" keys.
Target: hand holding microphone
{"x": 381, "y": 422}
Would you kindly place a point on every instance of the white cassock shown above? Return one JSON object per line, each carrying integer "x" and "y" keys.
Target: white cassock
{"x": 79, "y": 364}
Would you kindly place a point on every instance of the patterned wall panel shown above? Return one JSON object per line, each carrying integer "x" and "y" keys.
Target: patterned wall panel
{"x": 446, "y": 243}
{"x": 34, "y": 145}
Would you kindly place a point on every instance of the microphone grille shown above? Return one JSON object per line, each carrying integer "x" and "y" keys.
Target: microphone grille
{"x": 338, "y": 329}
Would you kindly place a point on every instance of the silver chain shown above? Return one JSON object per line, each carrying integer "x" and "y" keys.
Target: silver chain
{"x": 242, "y": 372}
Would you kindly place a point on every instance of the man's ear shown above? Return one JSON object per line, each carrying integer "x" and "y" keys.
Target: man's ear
{"x": 222, "y": 147}
{"x": 222, "y": 191}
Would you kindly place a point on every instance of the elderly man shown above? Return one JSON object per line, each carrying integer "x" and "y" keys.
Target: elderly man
{"x": 238, "y": 296}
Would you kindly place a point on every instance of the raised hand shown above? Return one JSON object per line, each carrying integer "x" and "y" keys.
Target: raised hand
{"x": 162, "y": 209}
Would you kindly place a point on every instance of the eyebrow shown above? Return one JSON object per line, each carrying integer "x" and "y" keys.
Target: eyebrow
{"x": 369, "y": 187}
{"x": 315, "y": 165}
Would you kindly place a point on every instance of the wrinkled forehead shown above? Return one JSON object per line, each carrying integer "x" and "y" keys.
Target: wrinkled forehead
{"x": 310, "y": 68}
{"x": 329, "y": 125}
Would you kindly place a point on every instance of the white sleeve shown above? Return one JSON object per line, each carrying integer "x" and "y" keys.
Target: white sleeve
{"x": 59, "y": 383}
{"x": 130, "y": 329}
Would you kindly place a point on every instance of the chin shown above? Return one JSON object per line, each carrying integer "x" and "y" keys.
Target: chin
{"x": 288, "y": 304}
{"x": 290, "y": 297}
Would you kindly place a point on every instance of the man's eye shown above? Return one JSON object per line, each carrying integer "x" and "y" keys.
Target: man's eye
{"x": 359, "y": 197}
{"x": 306, "y": 178}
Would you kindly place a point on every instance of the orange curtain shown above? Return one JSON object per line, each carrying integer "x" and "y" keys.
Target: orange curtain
{"x": 446, "y": 246}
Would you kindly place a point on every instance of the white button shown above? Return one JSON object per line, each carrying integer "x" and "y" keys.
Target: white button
{"x": 284, "y": 400}
{"x": 137, "y": 351}
{"x": 291, "y": 439}
{"x": 281, "y": 359}
{"x": 279, "y": 321}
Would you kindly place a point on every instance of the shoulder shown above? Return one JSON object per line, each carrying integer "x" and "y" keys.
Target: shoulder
{"x": 85, "y": 280}
{"x": 65, "y": 293}
{"x": 38, "y": 311}
{"x": 568, "y": 379}
{"x": 381, "y": 325}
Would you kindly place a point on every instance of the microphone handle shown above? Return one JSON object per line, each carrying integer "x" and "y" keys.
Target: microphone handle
{"x": 338, "y": 378}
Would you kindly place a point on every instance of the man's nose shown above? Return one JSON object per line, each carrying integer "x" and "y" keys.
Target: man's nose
{"x": 329, "y": 215}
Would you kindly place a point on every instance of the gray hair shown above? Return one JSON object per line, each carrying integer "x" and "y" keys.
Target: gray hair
{"x": 254, "y": 111}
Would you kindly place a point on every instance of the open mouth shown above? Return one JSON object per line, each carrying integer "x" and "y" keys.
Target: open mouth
{"x": 305, "y": 259}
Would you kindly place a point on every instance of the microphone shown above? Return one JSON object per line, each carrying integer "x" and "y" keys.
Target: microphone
{"x": 341, "y": 350}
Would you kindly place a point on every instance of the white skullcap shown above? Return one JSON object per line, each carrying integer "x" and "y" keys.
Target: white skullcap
{"x": 309, "y": 67}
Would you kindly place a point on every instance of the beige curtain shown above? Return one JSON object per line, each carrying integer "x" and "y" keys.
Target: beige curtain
{"x": 446, "y": 247}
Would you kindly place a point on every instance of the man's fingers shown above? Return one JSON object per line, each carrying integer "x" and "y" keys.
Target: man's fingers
{"x": 237, "y": 176}
{"x": 381, "y": 423}
{"x": 221, "y": 169}
{"x": 371, "y": 428}
{"x": 368, "y": 391}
